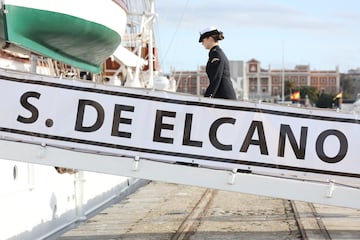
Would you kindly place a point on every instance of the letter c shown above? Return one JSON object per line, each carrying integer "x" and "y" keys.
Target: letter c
{"x": 213, "y": 133}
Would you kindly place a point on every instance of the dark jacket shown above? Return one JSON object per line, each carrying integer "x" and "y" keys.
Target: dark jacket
{"x": 218, "y": 71}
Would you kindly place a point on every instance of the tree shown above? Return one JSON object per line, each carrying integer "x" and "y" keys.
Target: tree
{"x": 347, "y": 84}
{"x": 311, "y": 92}
{"x": 289, "y": 87}
{"x": 325, "y": 101}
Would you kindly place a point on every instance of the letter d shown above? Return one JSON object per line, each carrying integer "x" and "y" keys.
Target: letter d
{"x": 79, "y": 126}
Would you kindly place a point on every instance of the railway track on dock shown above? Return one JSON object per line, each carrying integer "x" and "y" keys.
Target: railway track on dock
{"x": 194, "y": 219}
{"x": 173, "y": 212}
{"x": 319, "y": 229}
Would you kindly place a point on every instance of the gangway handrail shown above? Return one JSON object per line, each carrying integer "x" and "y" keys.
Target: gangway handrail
{"x": 328, "y": 193}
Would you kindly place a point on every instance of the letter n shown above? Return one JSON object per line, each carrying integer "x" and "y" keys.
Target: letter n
{"x": 299, "y": 151}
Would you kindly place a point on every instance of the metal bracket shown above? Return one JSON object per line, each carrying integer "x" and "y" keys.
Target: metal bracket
{"x": 136, "y": 161}
{"x": 232, "y": 176}
{"x": 42, "y": 150}
{"x": 331, "y": 189}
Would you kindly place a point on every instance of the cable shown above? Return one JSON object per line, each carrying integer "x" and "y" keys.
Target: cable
{"x": 175, "y": 33}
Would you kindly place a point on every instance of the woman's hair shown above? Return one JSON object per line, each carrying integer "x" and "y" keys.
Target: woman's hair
{"x": 217, "y": 37}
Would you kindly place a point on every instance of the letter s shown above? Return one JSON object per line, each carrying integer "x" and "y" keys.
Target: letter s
{"x": 25, "y": 103}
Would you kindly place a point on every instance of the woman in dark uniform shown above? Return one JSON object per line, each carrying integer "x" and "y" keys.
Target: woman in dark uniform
{"x": 217, "y": 67}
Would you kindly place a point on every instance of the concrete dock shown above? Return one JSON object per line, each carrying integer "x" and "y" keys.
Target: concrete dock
{"x": 171, "y": 211}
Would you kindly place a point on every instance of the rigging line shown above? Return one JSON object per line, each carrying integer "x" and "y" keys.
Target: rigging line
{"x": 176, "y": 30}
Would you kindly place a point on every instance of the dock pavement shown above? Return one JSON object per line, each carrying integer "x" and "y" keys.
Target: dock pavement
{"x": 172, "y": 211}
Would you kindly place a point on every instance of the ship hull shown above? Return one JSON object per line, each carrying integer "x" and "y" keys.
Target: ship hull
{"x": 83, "y": 40}
{"x": 37, "y": 202}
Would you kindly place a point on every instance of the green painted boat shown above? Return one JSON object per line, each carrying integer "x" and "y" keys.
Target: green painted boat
{"x": 78, "y": 32}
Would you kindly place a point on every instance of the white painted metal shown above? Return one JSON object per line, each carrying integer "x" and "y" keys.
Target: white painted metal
{"x": 128, "y": 58}
{"x": 37, "y": 201}
{"x": 61, "y": 144}
{"x": 329, "y": 193}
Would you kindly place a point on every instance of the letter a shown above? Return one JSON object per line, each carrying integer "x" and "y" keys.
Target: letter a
{"x": 261, "y": 142}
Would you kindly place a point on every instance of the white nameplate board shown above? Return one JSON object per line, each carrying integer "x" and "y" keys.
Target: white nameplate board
{"x": 174, "y": 127}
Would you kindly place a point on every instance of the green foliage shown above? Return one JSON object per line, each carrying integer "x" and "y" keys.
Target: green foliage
{"x": 290, "y": 86}
{"x": 350, "y": 86}
{"x": 325, "y": 101}
{"x": 311, "y": 92}
{"x": 322, "y": 100}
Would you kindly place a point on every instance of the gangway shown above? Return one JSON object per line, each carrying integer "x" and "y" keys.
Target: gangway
{"x": 291, "y": 153}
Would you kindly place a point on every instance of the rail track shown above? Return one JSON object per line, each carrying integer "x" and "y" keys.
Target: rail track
{"x": 193, "y": 220}
{"x": 176, "y": 212}
{"x": 321, "y": 231}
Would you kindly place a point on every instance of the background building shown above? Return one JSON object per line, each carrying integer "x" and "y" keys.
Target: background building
{"x": 268, "y": 83}
{"x": 252, "y": 82}
{"x": 350, "y": 83}
{"x": 192, "y": 82}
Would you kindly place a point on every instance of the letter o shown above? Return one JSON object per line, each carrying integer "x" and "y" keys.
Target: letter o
{"x": 320, "y": 146}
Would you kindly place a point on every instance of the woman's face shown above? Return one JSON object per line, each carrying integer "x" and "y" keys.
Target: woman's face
{"x": 207, "y": 42}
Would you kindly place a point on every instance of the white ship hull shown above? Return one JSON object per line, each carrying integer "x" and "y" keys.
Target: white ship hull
{"x": 36, "y": 201}
{"x": 79, "y": 33}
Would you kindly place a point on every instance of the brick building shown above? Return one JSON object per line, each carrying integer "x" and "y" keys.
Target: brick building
{"x": 268, "y": 83}
{"x": 251, "y": 81}
{"x": 192, "y": 82}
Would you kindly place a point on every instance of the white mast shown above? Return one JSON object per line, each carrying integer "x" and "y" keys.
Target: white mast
{"x": 283, "y": 76}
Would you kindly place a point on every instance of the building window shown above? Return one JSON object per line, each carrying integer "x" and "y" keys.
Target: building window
{"x": 275, "y": 91}
{"x": 252, "y": 67}
{"x": 264, "y": 81}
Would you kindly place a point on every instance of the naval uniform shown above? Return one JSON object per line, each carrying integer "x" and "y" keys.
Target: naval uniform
{"x": 218, "y": 71}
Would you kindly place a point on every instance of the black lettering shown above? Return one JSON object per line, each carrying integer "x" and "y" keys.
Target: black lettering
{"x": 187, "y": 132}
{"x": 342, "y": 142}
{"x": 159, "y": 125}
{"x": 118, "y": 119}
{"x": 80, "y": 116}
{"x": 299, "y": 151}
{"x": 255, "y": 125}
{"x": 28, "y": 106}
{"x": 213, "y": 133}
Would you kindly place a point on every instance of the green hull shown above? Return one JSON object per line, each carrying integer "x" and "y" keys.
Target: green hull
{"x": 74, "y": 41}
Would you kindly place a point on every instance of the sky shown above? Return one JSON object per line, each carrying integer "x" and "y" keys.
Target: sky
{"x": 321, "y": 33}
